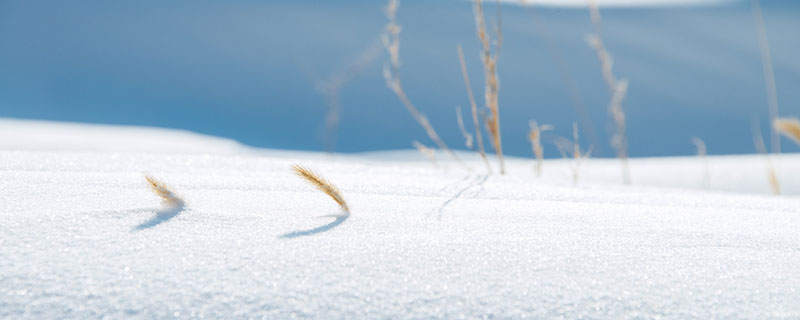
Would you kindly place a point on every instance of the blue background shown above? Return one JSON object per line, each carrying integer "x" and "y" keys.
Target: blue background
{"x": 250, "y": 70}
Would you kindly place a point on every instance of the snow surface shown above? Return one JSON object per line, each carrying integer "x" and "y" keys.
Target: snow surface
{"x": 83, "y": 237}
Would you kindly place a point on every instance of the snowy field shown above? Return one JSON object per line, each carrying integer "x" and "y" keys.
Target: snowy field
{"x": 83, "y": 237}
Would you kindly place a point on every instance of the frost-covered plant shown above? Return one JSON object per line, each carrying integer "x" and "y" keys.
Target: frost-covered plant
{"x": 617, "y": 89}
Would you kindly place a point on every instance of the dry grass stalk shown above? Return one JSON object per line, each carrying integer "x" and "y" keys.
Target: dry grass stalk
{"x": 474, "y": 107}
{"x": 564, "y": 146}
{"x": 323, "y": 185}
{"x": 331, "y": 88}
{"x": 467, "y": 135}
{"x": 702, "y": 152}
{"x": 772, "y": 177}
{"x": 769, "y": 74}
{"x": 790, "y": 127}
{"x": 492, "y": 84}
{"x": 617, "y": 90}
{"x": 391, "y": 41}
{"x": 535, "y": 136}
{"x": 427, "y": 152}
{"x": 168, "y": 197}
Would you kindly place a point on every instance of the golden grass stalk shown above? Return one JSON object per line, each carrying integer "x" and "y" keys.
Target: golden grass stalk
{"x": 790, "y": 127}
{"x": 772, "y": 177}
{"x": 391, "y": 41}
{"x": 492, "y": 84}
{"x": 323, "y": 185}
{"x": 617, "y": 90}
{"x": 427, "y": 152}
{"x": 769, "y": 73}
{"x": 535, "y": 137}
{"x": 474, "y": 107}
{"x": 164, "y": 192}
{"x": 702, "y": 153}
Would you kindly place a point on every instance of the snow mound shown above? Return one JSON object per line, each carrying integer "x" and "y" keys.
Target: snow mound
{"x": 60, "y": 136}
{"x": 83, "y": 237}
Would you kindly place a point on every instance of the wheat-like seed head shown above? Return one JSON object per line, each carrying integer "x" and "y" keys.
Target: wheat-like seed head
{"x": 168, "y": 197}
{"x": 789, "y": 127}
{"x": 322, "y": 185}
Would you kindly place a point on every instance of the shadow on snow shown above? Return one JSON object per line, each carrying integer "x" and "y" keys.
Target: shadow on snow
{"x": 310, "y": 232}
{"x": 162, "y": 215}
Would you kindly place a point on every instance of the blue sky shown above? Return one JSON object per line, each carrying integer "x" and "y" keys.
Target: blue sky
{"x": 248, "y": 70}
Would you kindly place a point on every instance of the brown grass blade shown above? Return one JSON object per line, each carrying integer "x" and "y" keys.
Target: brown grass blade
{"x": 790, "y": 127}
{"x": 168, "y": 197}
{"x": 323, "y": 185}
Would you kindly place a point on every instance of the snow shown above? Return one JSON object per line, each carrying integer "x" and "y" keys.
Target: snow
{"x": 83, "y": 237}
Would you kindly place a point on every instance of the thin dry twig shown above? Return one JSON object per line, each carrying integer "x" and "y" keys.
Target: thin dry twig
{"x": 323, "y": 185}
{"x": 772, "y": 177}
{"x": 617, "y": 90}
{"x": 564, "y": 145}
{"x": 474, "y": 107}
{"x": 427, "y": 152}
{"x": 535, "y": 137}
{"x": 331, "y": 88}
{"x": 391, "y": 41}
{"x": 789, "y": 127}
{"x": 467, "y": 135}
{"x": 165, "y": 193}
{"x": 492, "y": 84}
{"x": 769, "y": 74}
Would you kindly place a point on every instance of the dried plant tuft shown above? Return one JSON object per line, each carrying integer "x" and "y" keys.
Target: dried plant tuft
{"x": 323, "y": 185}
{"x": 167, "y": 195}
{"x": 789, "y": 127}
{"x": 492, "y": 84}
{"x": 535, "y": 136}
